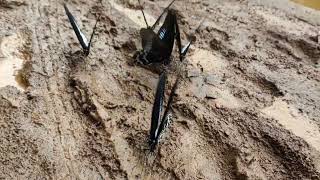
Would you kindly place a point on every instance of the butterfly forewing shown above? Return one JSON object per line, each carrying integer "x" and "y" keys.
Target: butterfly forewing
{"x": 166, "y": 33}
{"x": 162, "y": 42}
{"x": 157, "y": 107}
{"x": 81, "y": 37}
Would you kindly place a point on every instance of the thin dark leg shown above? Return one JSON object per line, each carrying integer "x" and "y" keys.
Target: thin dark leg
{"x": 165, "y": 10}
{"x": 178, "y": 38}
{"x": 144, "y": 16}
{"x": 94, "y": 30}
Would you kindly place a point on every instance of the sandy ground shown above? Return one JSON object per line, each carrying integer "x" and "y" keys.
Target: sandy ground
{"x": 247, "y": 108}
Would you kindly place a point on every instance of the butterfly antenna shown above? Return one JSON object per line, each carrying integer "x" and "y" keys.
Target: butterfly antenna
{"x": 144, "y": 16}
{"x": 164, "y": 11}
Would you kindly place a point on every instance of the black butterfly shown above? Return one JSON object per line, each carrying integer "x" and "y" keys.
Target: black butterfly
{"x": 157, "y": 47}
{"x": 81, "y": 37}
{"x": 158, "y": 124}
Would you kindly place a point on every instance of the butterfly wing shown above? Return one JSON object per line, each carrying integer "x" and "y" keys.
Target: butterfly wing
{"x": 166, "y": 33}
{"x": 157, "y": 107}
{"x": 81, "y": 37}
{"x": 164, "y": 122}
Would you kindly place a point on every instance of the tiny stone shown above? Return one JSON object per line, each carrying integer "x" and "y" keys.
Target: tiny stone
{"x": 218, "y": 106}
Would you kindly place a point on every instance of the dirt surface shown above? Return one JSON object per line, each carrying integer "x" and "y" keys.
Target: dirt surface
{"x": 247, "y": 108}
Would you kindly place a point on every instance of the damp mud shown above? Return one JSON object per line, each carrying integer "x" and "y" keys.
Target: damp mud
{"x": 309, "y": 3}
{"x": 247, "y": 106}
{"x": 12, "y": 61}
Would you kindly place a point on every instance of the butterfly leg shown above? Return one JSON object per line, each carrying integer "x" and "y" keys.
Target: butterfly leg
{"x": 87, "y": 50}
